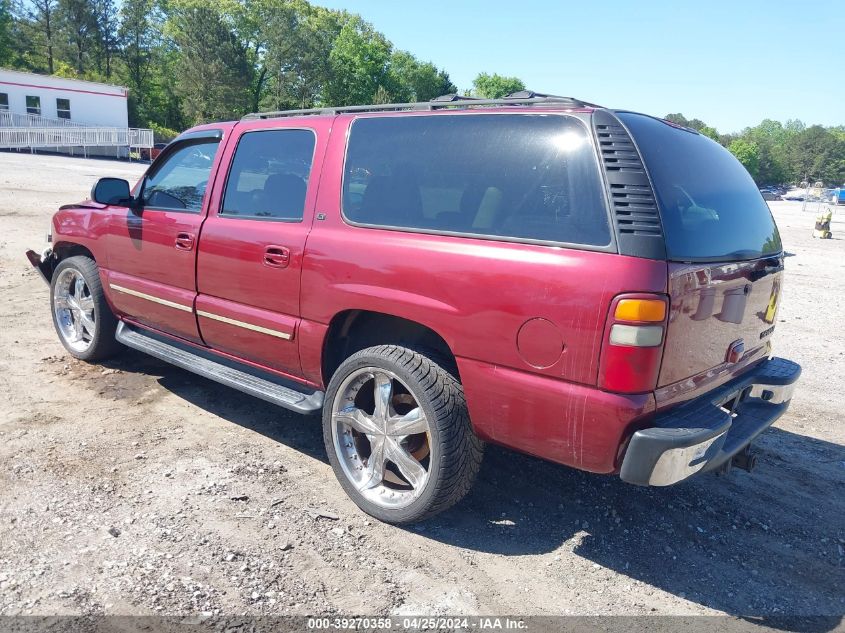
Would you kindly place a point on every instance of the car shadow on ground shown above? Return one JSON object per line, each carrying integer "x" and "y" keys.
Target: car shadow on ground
{"x": 767, "y": 544}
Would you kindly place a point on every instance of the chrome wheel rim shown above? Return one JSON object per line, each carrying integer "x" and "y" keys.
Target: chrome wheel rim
{"x": 382, "y": 438}
{"x": 73, "y": 306}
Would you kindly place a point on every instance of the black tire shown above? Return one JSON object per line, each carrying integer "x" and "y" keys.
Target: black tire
{"x": 102, "y": 344}
{"x": 457, "y": 452}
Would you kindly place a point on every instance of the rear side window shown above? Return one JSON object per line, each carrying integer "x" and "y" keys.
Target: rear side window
{"x": 269, "y": 175}
{"x": 523, "y": 177}
{"x": 710, "y": 208}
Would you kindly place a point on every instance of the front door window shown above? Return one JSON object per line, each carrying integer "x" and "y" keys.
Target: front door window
{"x": 179, "y": 183}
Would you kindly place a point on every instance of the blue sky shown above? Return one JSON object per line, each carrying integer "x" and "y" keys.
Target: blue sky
{"x": 729, "y": 63}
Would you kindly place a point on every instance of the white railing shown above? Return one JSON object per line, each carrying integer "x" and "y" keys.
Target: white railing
{"x": 34, "y": 137}
{"x": 14, "y": 119}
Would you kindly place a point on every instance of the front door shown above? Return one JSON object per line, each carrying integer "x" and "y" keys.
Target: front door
{"x": 152, "y": 249}
{"x": 252, "y": 243}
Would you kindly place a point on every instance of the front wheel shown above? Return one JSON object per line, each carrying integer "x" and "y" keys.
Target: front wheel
{"x": 398, "y": 435}
{"x": 84, "y": 322}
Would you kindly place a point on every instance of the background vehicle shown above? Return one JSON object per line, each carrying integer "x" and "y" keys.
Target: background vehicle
{"x": 838, "y": 196}
{"x": 595, "y": 287}
{"x": 152, "y": 152}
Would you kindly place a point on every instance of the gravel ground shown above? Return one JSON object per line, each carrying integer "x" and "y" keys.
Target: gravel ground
{"x": 137, "y": 488}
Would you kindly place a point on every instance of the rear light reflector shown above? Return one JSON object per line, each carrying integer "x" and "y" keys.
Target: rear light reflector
{"x": 636, "y": 335}
{"x": 652, "y": 310}
{"x": 633, "y": 343}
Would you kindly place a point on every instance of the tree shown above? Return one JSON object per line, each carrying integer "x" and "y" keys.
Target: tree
{"x": 709, "y": 132}
{"x": 413, "y": 80}
{"x": 41, "y": 20}
{"x": 358, "y": 64}
{"x": 816, "y": 153}
{"x": 496, "y": 86}
{"x": 694, "y": 124}
{"x": 296, "y": 64}
{"x": 748, "y": 154}
{"x": 5, "y": 33}
{"x": 106, "y": 20}
{"x": 78, "y": 27}
{"x": 212, "y": 71}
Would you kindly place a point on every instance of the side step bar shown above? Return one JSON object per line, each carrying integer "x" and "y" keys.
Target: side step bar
{"x": 230, "y": 373}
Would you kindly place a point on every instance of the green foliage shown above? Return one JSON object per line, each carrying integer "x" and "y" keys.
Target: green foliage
{"x": 213, "y": 74}
{"x": 748, "y": 154}
{"x": 163, "y": 134}
{"x": 709, "y": 132}
{"x": 775, "y": 153}
{"x": 5, "y": 32}
{"x": 77, "y": 29}
{"x": 496, "y": 86}
{"x": 194, "y": 60}
{"x": 413, "y": 80}
{"x": 359, "y": 63}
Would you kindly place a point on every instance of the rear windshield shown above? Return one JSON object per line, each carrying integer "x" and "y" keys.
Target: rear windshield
{"x": 709, "y": 205}
{"x": 519, "y": 177}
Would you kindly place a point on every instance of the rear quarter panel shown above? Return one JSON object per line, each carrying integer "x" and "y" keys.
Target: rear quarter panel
{"x": 507, "y": 310}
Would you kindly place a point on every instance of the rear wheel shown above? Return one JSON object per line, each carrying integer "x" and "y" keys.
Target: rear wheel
{"x": 398, "y": 435}
{"x": 83, "y": 320}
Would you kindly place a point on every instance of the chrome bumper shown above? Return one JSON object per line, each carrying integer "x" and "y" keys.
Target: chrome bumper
{"x": 703, "y": 434}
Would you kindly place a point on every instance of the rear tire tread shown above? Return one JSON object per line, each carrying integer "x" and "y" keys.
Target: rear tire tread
{"x": 460, "y": 450}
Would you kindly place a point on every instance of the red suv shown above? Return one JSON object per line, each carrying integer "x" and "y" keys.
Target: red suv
{"x": 595, "y": 287}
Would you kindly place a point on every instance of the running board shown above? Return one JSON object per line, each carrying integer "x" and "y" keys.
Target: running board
{"x": 230, "y": 373}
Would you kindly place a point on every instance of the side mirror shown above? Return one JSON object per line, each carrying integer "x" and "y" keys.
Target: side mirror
{"x": 112, "y": 191}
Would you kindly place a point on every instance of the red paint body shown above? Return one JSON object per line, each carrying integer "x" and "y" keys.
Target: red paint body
{"x": 497, "y": 304}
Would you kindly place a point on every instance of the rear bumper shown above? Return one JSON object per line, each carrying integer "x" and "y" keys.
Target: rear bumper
{"x": 705, "y": 433}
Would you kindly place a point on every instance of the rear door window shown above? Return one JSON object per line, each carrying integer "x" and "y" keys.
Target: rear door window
{"x": 520, "y": 177}
{"x": 269, "y": 175}
{"x": 710, "y": 208}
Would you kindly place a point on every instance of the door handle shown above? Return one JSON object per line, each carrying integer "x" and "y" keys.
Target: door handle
{"x": 277, "y": 256}
{"x": 184, "y": 241}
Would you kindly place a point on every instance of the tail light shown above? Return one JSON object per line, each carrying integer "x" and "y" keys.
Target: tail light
{"x": 633, "y": 343}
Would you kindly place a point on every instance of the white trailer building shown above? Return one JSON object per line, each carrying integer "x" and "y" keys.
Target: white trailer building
{"x": 41, "y": 111}
{"x": 85, "y": 102}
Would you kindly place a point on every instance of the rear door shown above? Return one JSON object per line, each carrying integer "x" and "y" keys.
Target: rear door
{"x": 250, "y": 253}
{"x": 152, "y": 250}
{"x": 725, "y": 257}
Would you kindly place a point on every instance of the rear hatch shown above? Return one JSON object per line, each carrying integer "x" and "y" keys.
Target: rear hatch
{"x": 724, "y": 256}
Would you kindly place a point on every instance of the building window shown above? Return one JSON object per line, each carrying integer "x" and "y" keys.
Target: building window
{"x": 33, "y": 105}
{"x": 4, "y": 101}
{"x": 63, "y": 108}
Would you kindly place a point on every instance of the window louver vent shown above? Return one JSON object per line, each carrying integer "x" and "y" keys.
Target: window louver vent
{"x": 631, "y": 195}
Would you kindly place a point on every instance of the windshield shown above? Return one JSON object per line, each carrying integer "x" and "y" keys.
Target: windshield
{"x": 710, "y": 208}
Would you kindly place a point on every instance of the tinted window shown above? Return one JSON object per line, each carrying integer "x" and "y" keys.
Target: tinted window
{"x": 709, "y": 205}
{"x": 33, "y": 105}
{"x": 63, "y": 108}
{"x": 269, "y": 175}
{"x": 515, "y": 176}
{"x": 4, "y": 101}
{"x": 180, "y": 181}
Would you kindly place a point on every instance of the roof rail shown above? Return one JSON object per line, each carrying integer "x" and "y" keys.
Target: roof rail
{"x": 438, "y": 103}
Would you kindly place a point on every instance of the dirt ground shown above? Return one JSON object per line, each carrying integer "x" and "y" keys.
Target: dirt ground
{"x": 138, "y": 488}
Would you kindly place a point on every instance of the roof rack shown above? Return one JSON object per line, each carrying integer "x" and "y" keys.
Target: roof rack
{"x": 452, "y": 101}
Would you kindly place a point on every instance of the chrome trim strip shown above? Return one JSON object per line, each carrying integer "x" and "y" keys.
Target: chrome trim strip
{"x": 144, "y": 295}
{"x": 246, "y": 326}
